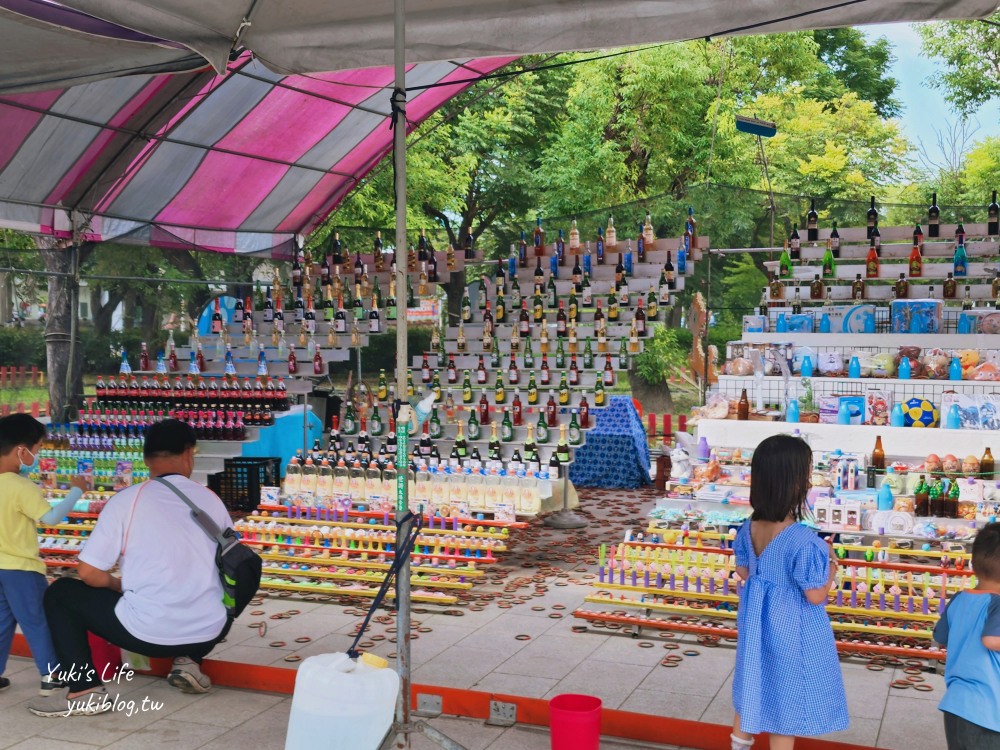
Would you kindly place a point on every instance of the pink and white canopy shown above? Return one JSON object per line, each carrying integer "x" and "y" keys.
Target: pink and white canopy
{"x": 242, "y": 162}
{"x": 249, "y": 157}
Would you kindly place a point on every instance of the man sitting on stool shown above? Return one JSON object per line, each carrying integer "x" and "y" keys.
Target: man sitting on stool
{"x": 168, "y": 601}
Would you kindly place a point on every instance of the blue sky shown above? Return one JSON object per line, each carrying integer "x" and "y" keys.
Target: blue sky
{"x": 924, "y": 108}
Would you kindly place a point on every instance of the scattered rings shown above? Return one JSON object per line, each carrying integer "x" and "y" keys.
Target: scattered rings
{"x": 522, "y": 637}
{"x": 923, "y": 687}
{"x": 691, "y": 652}
{"x": 875, "y": 668}
{"x": 900, "y": 684}
{"x": 277, "y": 644}
{"x": 912, "y": 670}
{"x": 293, "y": 657}
{"x": 915, "y": 678}
{"x": 645, "y": 644}
{"x": 669, "y": 664}
{"x": 303, "y": 639}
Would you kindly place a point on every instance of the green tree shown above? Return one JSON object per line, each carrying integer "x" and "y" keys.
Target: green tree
{"x": 743, "y": 281}
{"x": 970, "y": 51}
{"x": 854, "y": 64}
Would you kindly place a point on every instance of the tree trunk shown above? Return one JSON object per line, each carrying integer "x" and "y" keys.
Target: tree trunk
{"x": 103, "y": 314}
{"x": 150, "y": 321}
{"x": 64, "y": 356}
{"x": 5, "y": 298}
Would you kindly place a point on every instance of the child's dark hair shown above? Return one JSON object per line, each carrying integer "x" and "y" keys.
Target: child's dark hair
{"x": 779, "y": 478}
{"x": 19, "y": 429}
{"x": 986, "y": 553}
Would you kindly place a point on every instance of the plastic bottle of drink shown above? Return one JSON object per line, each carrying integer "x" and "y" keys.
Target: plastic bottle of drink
{"x": 341, "y": 485}
{"x": 356, "y": 483}
{"x": 373, "y": 486}
{"x": 310, "y": 474}
{"x": 389, "y": 484}
{"x": 293, "y": 474}
{"x": 324, "y": 485}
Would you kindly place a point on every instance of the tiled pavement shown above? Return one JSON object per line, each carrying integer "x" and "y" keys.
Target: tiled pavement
{"x": 478, "y": 651}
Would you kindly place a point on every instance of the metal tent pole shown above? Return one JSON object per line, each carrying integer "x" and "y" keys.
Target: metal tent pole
{"x": 399, "y": 735}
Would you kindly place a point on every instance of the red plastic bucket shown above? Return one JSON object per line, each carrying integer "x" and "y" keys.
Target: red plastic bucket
{"x": 106, "y": 657}
{"x": 575, "y": 722}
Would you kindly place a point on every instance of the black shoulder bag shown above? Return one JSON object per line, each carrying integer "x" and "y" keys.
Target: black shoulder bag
{"x": 239, "y": 566}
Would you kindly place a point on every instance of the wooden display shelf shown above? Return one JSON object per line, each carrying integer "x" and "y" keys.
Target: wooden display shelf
{"x": 427, "y": 519}
{"x": 932, "y": 249}
{"x": 946, "y": 341}
{"x": 254, "y": 518}
{"x": 932, "y": 273}
{"x": 374, "y": 565}
{"x": 324, "y": 575}
{"x": 328, "y": 590}
{"x": 488, "y": 559}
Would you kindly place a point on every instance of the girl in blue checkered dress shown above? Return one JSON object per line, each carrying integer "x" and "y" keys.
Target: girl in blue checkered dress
{"x": 787, "y": 680}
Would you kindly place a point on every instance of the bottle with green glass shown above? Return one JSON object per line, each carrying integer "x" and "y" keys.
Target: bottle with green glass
{"x": 472, "y": 428}
{"x": 575, "y": 433}
{"x": 588, "y": 355}
{"x": 560, "y": 355}
{"x": 542, "y": 428}
{"x": 506, "y": 427}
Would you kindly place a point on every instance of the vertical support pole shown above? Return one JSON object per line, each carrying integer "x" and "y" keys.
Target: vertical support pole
{"x": 402, "y": 366}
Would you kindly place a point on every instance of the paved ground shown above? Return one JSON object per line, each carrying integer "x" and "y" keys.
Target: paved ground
{"x": 478, "y": 650}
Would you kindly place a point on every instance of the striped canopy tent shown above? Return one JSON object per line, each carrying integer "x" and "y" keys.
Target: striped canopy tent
{"x": 205, "y": 124}
{"x": 244, "y": 162}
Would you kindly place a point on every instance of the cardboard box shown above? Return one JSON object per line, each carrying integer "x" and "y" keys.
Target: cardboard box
{"x": 969, "y": 410}
{"x": 916, "y": 315}
{"x": 979, "y": 321}
{"x": 878, "y": 405}
{"x": 755, "y": 324}
{"x": 829, "y": 408}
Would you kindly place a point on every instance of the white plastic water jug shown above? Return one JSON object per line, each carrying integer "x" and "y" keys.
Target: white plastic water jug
{"x": 342, "y": 704}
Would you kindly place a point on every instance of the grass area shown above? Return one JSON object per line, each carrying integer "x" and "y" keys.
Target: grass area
{"x": 27, "y": 395}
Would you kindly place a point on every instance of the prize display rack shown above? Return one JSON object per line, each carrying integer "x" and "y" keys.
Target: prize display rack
{"x": 890, "y": 589}
{"x": 538, "y": 268}
{"x": 884, "y": 600}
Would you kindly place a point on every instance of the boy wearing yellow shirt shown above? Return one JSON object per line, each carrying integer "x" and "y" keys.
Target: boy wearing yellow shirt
{"x": 22, "y": 572}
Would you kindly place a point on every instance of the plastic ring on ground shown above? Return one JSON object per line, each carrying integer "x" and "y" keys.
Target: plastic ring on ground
{"x": 303, "y": 639}
{"x": 913, "y": 663}
{"x": 579, "y": 628}
{"x": 522, "y": 637}
{"x": 875, "y": 668}
{"x": 277, "y": 644}
{"x": 555, "y": 616}
{"x": 912, "y": 670}
{"x": 923, "y": 688}
{"x": 691, "y": 652}
{"x": 915, "y": 678}
{"x": 669, "y": 664}
{"x": 257, "y": 613}
{"x": 425, "y": 630}
{"x": 673, "y": 658}
{"x": 645, "y": 644}
{"x": 261, "y": 629}
{"x": 538, "y": 609}
{"x": 293, "y": 612}
{"x": 559, "y": 606}
{"x": 293, "y": 657}
{"x": 367, "y": 644}
{"x": 900, "y": 684}
{"x": 378, "y": 637}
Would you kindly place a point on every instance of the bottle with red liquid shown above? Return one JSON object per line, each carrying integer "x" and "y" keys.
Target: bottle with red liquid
{"x": 516, "y": 410}
{"x": 319, "y": 366}
{"x": 199, "y": 358}
{"x": 484, "y": 410}
{"x": 584, "y": 413}
{"x": 293, "y": 363}
{"x": 551, "y": 410}
{"x": 143, "y": 358}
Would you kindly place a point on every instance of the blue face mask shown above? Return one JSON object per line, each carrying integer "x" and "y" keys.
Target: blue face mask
{"x": 26, "y": 468}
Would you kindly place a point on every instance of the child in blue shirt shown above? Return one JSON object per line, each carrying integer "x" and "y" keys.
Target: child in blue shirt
{"x": 970, "y": 629}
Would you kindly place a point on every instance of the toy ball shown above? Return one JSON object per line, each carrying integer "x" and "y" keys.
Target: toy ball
{"x": 925, "y": 547}
{"x": 869, "y": 555}
{"x": 919, "y": 412}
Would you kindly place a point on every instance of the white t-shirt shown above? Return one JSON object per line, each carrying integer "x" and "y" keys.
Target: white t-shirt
{"x": 170, "y": 582}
